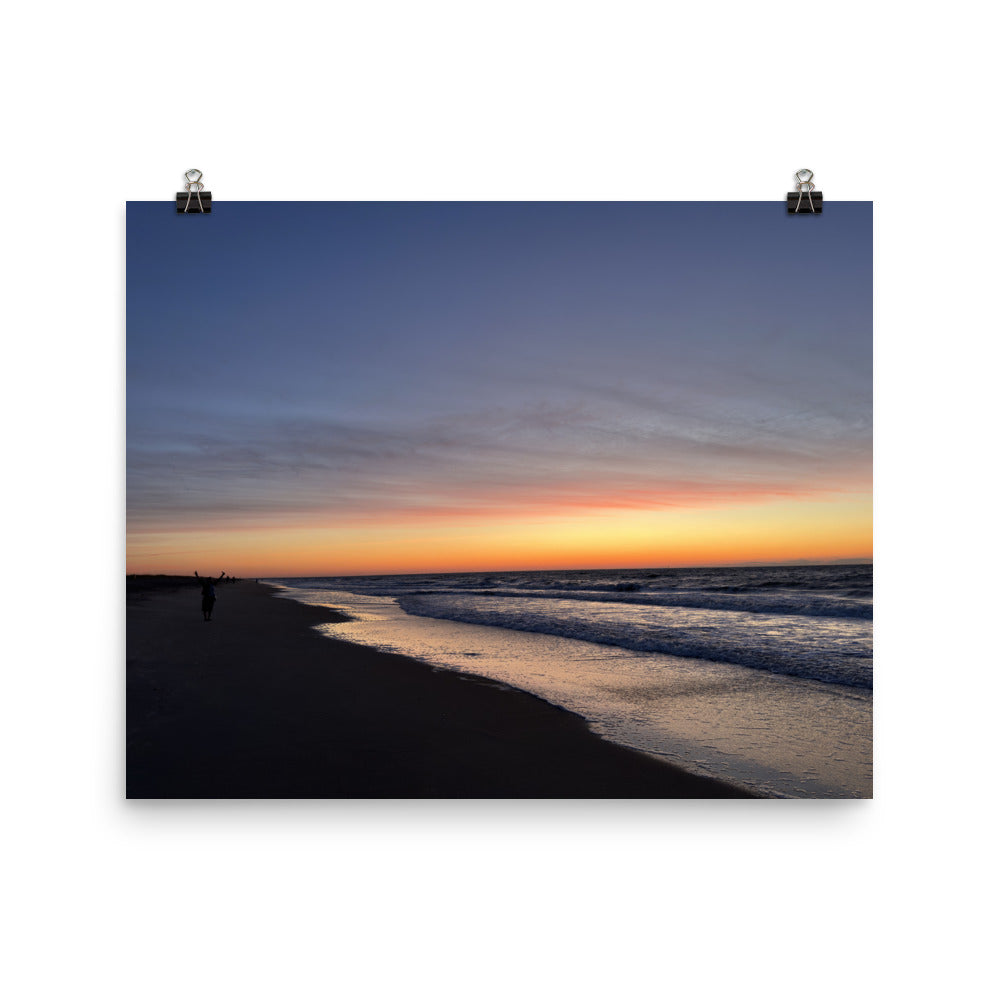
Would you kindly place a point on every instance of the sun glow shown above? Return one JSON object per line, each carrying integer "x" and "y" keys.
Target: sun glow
{"x": 784, "y": 530}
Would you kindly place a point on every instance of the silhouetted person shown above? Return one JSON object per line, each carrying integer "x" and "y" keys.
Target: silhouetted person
{"x": 207, "y": 593}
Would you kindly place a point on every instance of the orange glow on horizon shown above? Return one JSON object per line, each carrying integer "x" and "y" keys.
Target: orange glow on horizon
{"x": 779, "y": 530}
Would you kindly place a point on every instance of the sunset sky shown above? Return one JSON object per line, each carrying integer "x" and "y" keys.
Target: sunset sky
{"x": 346, "y": 388}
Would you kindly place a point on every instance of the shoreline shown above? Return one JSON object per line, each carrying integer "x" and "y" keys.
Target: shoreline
{"x": 257, "y": 704}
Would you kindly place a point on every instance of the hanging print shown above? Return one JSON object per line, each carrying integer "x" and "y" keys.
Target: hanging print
{"x": 526, "y": 500}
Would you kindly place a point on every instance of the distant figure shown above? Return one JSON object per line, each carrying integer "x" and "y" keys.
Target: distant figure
{"x": 207, "y": 594}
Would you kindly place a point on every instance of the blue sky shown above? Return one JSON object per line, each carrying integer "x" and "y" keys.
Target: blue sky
{"x": 291, "y": 363}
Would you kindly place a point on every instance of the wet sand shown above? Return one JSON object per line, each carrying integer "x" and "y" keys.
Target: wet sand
{"x": 256, "y": 704}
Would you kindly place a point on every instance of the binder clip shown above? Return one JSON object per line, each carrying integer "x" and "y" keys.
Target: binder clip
{"x": 807, "y": 200}
{"x": 197, "y": 201}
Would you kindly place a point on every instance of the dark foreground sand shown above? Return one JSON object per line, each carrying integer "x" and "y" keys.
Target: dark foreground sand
{"x": 255, "y": 704}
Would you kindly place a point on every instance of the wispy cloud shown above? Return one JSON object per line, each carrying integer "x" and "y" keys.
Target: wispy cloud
{"x": 541, "y": 459}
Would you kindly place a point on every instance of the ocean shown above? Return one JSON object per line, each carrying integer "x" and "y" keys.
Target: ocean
{"x": 761, "y": 676}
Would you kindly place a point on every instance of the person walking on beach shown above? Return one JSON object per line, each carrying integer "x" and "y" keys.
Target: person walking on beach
{"x": 207, "y": 593}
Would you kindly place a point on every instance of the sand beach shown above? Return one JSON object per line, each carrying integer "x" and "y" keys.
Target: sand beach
{"x": 257, "y": 704}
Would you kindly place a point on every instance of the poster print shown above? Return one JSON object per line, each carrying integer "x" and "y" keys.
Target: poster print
{"x": 499, "y": 500}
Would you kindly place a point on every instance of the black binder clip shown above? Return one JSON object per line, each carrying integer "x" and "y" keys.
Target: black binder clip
{"x": 807, "y": 200}
{"x": 197, "y": 200}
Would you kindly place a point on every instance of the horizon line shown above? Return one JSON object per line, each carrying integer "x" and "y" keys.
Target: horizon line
{"x": 849, "y": 561}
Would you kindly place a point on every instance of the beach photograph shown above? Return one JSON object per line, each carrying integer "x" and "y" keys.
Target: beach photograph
{"x": 521, "y": 500}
